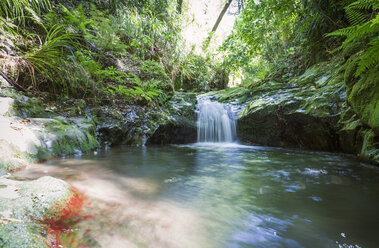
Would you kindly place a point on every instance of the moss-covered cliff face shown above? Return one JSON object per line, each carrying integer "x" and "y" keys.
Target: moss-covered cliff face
{"x": 313, "y": 111}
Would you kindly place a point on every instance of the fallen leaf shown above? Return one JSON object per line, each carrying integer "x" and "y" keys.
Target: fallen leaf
{"x": 26, "y": 121}
{"x": 15, "y": 128}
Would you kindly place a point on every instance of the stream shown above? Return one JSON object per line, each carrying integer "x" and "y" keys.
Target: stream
{"x": 221, "y": 195}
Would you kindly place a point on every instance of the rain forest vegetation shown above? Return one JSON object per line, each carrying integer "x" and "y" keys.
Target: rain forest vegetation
{"x": 132, "y": 51}
{"x": 101, "y": 51}
{"x": 277, "y": 40}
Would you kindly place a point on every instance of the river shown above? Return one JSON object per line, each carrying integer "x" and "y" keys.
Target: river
{"x": 221, "y": 195}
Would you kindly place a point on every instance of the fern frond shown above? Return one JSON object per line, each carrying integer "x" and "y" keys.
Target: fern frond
{"x": 369, "y": 58}
{"x": 356, "y": 11}
{"x": 19, "y": 10}
{"x": 362, "y": 30}
{"x": 361, "y": 5}
{"x": 46, "y": 59}
{"x": 343, "y": 32}
{"x": 375, "y": 21}
{"x": 355, "y": 17}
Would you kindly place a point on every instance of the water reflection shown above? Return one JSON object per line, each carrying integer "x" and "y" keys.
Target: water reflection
{"x": 224, "y": 196}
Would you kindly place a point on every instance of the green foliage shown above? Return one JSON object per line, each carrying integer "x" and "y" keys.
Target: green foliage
{"x": 365, "y": 28}
{"x": 46, "y": 59}
{"x": 20, "y": 10}
{"x": 196, "y": 73}
{"x": 279, "y": 39}
{"x": 153, "y": 71}
{"x": 88, "y": 49}
{"x": 142, "y": 92}
{"x": 7, "y": 27}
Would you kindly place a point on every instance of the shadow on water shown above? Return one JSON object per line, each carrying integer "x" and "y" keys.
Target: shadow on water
{"x": 229, "y": 195}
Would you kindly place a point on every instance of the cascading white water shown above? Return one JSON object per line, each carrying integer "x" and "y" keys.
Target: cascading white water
{"x": 215, "y": 122}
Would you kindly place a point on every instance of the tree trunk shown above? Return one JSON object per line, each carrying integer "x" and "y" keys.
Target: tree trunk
{"x": 179, "y": 6}
{"x": 12, "y": 82}
{"x": 221, "y": 15}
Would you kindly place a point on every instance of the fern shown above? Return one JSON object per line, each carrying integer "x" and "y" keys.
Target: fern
{"x": 45, "y": 60}
{"x": 362, "y": 29}
{"x": 20, "y": 10}
{"x": 356, "y": 11}
{"x": 369, "y": 58}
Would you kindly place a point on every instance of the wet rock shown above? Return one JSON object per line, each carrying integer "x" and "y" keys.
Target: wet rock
{"x": 13, "y": 103}
{"x": 29, "y": 133}
{"x": 178, "y": 126}
{"x": 132, "y": 126}
{"x": 302, "y": 118}
{"x": 25, "y": 206}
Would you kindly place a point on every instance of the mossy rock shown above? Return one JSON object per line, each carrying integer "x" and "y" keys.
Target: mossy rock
{"x": 22, "y": 235}
{"x": 37, "y": 139}
{"x": 370, "y": 146}
{"x": 133, "y": 126}
{"x": 33, "y": 202}
{"x": 13, "y": 103}
{"x": 349, "y": 126}
{"x": 178, "y": 123}
{"x": 234, "y": 94}
{"x": 302, "y": 113}
{"x": 363, "y": 96}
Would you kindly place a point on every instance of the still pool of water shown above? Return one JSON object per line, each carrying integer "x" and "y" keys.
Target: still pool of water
{"x": 224, "y": 195}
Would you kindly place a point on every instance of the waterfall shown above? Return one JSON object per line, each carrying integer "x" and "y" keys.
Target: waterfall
{"x": 215, "y": 122}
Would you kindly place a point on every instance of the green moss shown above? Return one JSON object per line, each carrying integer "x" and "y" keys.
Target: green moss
{"x": 72, "y": 135}
{"x": 36, "y": 200}
{"x": 350, "y": 68}
{"x": 22, "y": 105}
{"x": 241, "y": 94}
{"x": 370, "y": 146}
{"x": 21, "y": 235}
{"x": 363, "y": 96}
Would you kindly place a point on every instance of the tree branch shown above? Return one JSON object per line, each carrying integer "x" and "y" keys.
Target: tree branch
{"x": 12, "y": 82}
